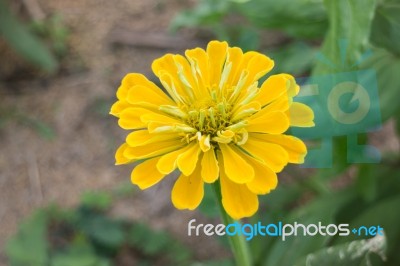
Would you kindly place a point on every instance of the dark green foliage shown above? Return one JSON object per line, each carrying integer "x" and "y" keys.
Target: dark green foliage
{"x": 28, "y": 45}
{"x": 87, "y": 236}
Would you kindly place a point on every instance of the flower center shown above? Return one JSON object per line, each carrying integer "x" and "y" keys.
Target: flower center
{"x": 209, "y": 117}
{"x": 213, "y": 123}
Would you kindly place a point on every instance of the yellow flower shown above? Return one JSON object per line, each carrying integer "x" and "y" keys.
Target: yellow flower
{"x": 212, "y": 120}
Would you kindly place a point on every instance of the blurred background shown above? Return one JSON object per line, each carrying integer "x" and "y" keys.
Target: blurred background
{"x": 62, "y": 200}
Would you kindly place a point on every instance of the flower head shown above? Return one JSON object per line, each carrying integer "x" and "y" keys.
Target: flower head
{"x": 212, "y": 120}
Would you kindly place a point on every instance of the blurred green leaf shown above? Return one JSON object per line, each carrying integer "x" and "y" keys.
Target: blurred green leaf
{"x": 42, "y": 128}
{"x": 382, "y": 213}
{"x": 366, "y": 182}
{"x": 207, "y": 12}
{"x": 124, "y": 189}
{"x": 29, "y": 246}
{"x": 347, "y": 38}
{"x": 349, "y": 254}
{"x": 322, "y": 209}
{"x": 295, "y": 58}
{"x": 103, "y": 230}
{"x": 149, "y": 241}
{"x": 301, "y": 18}
{"x": 245, "y": 37}
{"x": 96, "y": 200}
{"x": 214, "y": 263}
{"x": 152, "y": 243}
{"x": 80, "y": 253}
{"x": 387, "y": 68}
{"x": 24, "y": 42}
{"x": 385, "y": 31}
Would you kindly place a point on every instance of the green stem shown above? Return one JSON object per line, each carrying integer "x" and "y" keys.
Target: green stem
{"x": 238, "y": 244}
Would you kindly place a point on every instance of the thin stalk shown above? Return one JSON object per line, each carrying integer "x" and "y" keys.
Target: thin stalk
{"x": 237, "y": 242}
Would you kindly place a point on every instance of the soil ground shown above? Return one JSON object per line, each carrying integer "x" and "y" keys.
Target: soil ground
{"x": 35, "y": 171}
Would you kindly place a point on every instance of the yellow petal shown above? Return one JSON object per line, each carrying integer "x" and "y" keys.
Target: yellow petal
{"x": 143, "y": 137}
{"x": 188, "y": 191}
{"x": 269, "y": 122}
{"x": 118, "y": 107}
{"x": 235, "y": 55}
{"x": 274, "y": 87}
{"x": 163, "y": 127}
{"x": 293, "y": 88}
{"x": 295, "y": 148}
{"x": 130, "y": 118}
{"x": 153, "y": 117}
{"x": 273, "y": 155}
{"x": 200, "y": 58}
{"x": 216, "y": 55}
{"x": 209, "y": 166}
{"x": 242, "y": 66}
{"x": 258, "y": 66}
{"x": 237, "y": 199}
{"x": 145, "y": 174}
{"x": 264, "y": 180}
{"x": 152, "y": 149}
{"x": 236, "y": 168}
{"x": 132, "y": 80}
{"x": 166, "y": 70}
{"x": 281, "y": 104}
{"x": 186, "y": 76}
{"x": 187, "y": 160}
{"x": 246, "y": 110}
{"x": 167, "y": 163}
{"x": 301, "y": 115}
{"x": 204, "y": 143}
{"x": 119, "y": 155}
{"x": 139, "y": 94}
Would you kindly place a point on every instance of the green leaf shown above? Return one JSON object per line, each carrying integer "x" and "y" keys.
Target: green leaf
{"x": 214, "y": 263}
{"x": 323, "y": 209}
{"x": 150, "y": 242}
{"x": 103, "y": 230}
{"x": 385, "y": 31}
{"x": 24, "y": 42}
{"x": 295, "y": 58}
{"x": 387, "y": 69}
{"x": 157, "y": 243}
{"x": 301, "y": 18}
{"x": 29, "y": 246}
{"x": 383, "y": 213}
{"x": 244, "y": 37}
{"x": 349, "y": 254}
{"x": 207, "y": 12}
{"x": 353, "y": 31}
{"x": 80, "y": 253}
{"x": 366, "y": 183}
{"x": 96, "y": 200}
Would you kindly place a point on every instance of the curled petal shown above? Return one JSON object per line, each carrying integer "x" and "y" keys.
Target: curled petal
{"x": 301, "y": 115}
{"x": 146, "y": 175}
{"x": 209, "y": 166}
{"x": 188, "y": 191}
{"x": 273, "y": 155}
{"x": 187, "y": 160}
{"x": 236, "y": 168}
{"x": 237, "y": 199}
{"x": 295, "y": 148}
